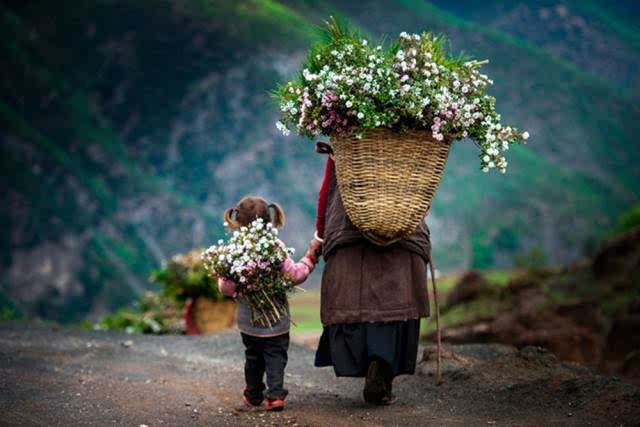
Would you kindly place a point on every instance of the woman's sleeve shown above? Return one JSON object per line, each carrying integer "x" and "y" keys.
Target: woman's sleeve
{"x": 322, "y": 198}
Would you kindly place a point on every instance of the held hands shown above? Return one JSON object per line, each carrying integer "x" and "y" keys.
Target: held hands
{"x": 314, "y": 251}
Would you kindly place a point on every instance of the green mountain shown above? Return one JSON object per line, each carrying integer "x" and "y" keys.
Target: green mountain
{"x": 129, "y": 126}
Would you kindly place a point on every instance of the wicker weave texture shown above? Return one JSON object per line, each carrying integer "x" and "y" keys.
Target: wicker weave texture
{"x": 387, "y": 180}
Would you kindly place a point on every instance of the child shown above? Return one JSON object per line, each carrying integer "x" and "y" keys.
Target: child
{"x": 265, "y": 347}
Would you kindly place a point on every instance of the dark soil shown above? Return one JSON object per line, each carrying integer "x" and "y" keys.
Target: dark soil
{"x": 53, "y": 376}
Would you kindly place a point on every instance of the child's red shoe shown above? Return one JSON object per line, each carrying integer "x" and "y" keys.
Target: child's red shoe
{"x": 249, "y": 403}
{"x": 274, "y": 405}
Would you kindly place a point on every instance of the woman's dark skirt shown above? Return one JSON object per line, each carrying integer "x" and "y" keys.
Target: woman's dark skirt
{"x": 349, "y": 347}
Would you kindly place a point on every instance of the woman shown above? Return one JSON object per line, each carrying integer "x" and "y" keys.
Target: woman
{"x": 372, "y": 297}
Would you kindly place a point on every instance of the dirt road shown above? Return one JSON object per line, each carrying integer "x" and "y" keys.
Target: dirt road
{"x": 58, "y": 376}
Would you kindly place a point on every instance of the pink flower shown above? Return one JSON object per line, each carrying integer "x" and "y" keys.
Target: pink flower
{"x": 328, "y": 98}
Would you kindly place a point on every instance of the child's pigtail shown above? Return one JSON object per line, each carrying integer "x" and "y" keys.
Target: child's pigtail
{"x": 278, "y": 215}
{"x": 228, "y": 217}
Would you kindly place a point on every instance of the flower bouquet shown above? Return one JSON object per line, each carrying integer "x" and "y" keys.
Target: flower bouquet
{"x": 253, "y": 258}
{"x": 348, "y": 85}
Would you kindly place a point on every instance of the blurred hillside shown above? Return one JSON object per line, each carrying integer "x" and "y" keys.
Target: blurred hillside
{"x": 128, "y": 127}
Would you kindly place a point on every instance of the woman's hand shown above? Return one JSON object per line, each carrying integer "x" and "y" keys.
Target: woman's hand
{"x": 314, "y": 251}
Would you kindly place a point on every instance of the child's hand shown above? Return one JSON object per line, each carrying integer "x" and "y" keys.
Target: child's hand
{"x": 312, "y": 256}
{"x": 315, "y": 245}
{"x": 314, "y": 251}
{"x": 227, "y": 287}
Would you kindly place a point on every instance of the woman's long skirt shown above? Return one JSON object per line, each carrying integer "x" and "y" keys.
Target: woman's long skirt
{"x": 349, "y": 347}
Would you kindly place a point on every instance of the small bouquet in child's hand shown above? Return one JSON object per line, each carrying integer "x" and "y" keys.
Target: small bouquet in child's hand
{"x": 252, "y": 259}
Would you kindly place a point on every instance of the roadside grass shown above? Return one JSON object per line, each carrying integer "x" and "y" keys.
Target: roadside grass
{"x": 305, "y": 312}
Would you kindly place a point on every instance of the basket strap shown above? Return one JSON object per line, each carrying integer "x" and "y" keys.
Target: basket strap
{"x": 437, "y": 307}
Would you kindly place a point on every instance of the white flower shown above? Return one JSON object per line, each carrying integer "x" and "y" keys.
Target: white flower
{"x": 361, "y": 115}
{"x": 525, "y": 135}
{"x": 349, "y": 104}
{"x": 364, "y": 42}
{"x": 485, "y": 169}
{"x": 285, "y": 131}
{"x": 486, "y": 158}
{"x": 308, "y": 75}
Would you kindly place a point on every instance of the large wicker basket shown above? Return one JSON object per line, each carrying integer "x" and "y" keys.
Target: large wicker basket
{"x": 387, "y": 180}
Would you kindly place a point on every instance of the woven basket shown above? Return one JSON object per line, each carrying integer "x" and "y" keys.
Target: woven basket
{"x": 387, "y": 180}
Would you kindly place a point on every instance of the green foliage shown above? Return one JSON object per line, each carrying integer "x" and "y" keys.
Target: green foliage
{"x": 626, "y": 221}
{"x": 8, "y": 313}
{"x": 482, "y": 252}
{"x": 155, "y": 314}
{"x": 506, "y": 240}
{"x": 534, "y": 261}
{"x": 499, "y": 277}
{"x": 185, "y": 277}
{"x": 8, "y": 310}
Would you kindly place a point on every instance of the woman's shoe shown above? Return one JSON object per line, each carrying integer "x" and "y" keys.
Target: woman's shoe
{"x": 374, "y": 386}
{"x": 388, "y": 399}
{"x": 274, "y": 405}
